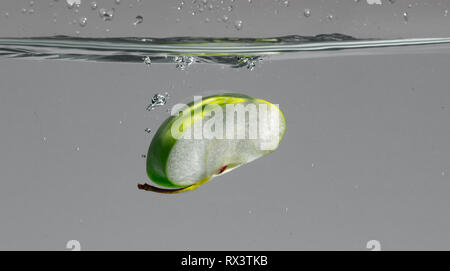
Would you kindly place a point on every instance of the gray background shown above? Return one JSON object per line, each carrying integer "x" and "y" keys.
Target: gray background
{"x": 366, "y": 154}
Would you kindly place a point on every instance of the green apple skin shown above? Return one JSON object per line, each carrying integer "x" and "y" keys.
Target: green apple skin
{"x": 163, "y": 141}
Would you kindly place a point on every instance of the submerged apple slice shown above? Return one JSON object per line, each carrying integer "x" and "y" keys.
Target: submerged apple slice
{"x": 210, "y": 137}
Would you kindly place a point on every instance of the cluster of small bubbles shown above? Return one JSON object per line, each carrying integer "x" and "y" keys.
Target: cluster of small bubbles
{"x": 183, "y": 62}
{"x": 147, "y": 61}
{"x": 93, "y": 5}
{"x": 83, "y": 21}
{"x": 106, "y": 14}
{"x": 73, "y": 3}
{"x": 249, "y": 63}
{"x": 148, "y": 130}
{"x": 158, "y": 100}
{"x": 307, "y": 12}
{"x": 138, "y": 20}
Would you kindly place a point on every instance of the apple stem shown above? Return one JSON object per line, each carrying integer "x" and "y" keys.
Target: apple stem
{"x": 148, "y": 187}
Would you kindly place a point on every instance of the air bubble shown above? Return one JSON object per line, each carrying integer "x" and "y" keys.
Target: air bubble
{"x": 83, "y": 21}
{"x": 307, "y": 12}
{"x": 405, "y": 16}
{"x": 157, "y": 100}
{"x": 105, "y": 14}
{"x": 93, "y": 5}
{"x": 139, "y": 20}
{"x": 238, "y": 24}
{"x": 148, "y": 130}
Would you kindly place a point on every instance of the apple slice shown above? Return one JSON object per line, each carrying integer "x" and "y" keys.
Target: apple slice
{"x": 211, "y": 137}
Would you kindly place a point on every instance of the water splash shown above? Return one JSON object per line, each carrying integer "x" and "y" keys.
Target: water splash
{"x": 183, "y": 62}
{"x": 147, "y": 61}
{"x": 184, "y": 51}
